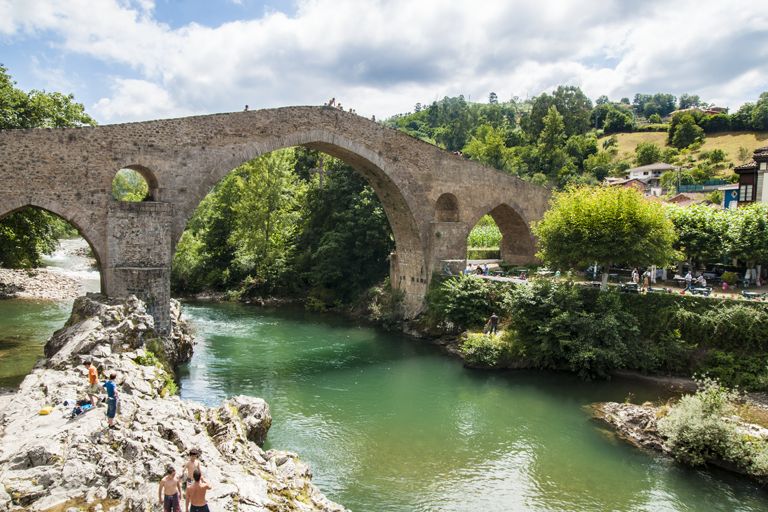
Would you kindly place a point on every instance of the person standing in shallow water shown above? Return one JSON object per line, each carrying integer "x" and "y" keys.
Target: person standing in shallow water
{"x": 196, "y": 501}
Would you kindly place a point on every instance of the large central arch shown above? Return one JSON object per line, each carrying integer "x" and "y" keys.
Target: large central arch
{"x": 69, "y": 171}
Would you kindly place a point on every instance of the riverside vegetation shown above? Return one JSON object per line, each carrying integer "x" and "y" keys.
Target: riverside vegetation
{"x": 566, "y": 326}
{"x": 716, "y": 426}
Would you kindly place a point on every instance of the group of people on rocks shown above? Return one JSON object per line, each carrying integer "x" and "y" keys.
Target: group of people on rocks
{"x": 192, "y": 483}
{"x": 169, "y": 492}
{"x": 94, "y": 388}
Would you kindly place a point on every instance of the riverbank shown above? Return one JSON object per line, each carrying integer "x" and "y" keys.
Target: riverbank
{"x": 39, "y": 283}
{"x": 52, "y": 460}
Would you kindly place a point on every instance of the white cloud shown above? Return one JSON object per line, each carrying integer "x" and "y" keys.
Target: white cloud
{"x": 381, "y": 57}
{"x": 137, "y": 100}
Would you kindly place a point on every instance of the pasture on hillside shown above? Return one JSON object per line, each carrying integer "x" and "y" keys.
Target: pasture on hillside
{"x": 730, "y": 142}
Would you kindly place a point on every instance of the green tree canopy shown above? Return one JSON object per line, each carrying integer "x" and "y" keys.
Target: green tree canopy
{"x": 748, "y": 233}
{"x": 647, "y": 153}
{"x": 686, "y": 132}
{"x": 606, "y": 225}
{"x": 488, "y": 146}
{"x": 701, "y": 232}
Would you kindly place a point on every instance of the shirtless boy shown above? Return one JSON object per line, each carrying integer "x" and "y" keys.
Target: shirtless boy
{"x": 196, "y": 494}
{"x": 170, "y": 486}
{"x": 189, "y": 468}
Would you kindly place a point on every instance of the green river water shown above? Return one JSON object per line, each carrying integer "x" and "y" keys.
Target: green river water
{"x": 392, "y": 424}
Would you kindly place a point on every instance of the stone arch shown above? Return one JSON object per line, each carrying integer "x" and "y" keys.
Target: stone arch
{"x": 518, "y": 245}
{"x": 447, "y": 208}
{"x": 408, "y": 264}
{"x": 70, "y": 217}
{"x": 147, "y": 174}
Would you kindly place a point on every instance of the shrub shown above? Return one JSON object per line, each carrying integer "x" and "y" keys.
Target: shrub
{"x": 698, "y": 430}
{"x": 487, "y": 351}
{"x": 694, "y": 429}
{"x": 461, "y": 300}
{"x": 730, "y": 277}
{"x": 561, "y": 325}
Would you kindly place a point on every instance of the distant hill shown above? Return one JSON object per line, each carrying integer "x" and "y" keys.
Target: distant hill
{"x": 730, "y": 142}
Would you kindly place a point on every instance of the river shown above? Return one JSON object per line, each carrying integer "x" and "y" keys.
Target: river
{"x": 392, "y": 424}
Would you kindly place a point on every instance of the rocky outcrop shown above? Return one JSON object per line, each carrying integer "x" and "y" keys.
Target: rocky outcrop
{"x": 53, "y": 460}
{"x": 104, "y": 326}
{"x": 635, "y": 424}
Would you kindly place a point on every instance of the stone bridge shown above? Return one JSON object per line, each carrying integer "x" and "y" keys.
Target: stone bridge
{"x": 432, "y": 198}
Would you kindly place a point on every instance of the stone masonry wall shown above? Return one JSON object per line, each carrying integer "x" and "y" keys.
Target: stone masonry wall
{"x": 70, "y": 171}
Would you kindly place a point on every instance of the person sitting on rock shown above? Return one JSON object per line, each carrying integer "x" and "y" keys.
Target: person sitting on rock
{"x": 111, "y": 388}
{"x": 189, "y": 468}
{"x": 93, "y": 390}
{"x": 196, "y": 501}
{"x": 169, "y": 491}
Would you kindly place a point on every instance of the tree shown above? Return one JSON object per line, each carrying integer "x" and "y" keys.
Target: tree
{"x": 266, "y": 215}
{"x": 701, "y": 232}
{"x": 617, "y": 121}
{"x": 655, "y": 118}
{"x": 575, "y": 107}
{"x": 688, "y": 101}
{"x": 345, "y": 237}
{"x": 748, "y": 233}
{"x": 606, "y": 225}
{"x": 686, "y": 132}
{"x": 488, "y": 146}
{"x": 552, "y": 156}
{"x": 760, "y": 113}
{"x": 647, "y": 153}
{"x": 129, "y": 185}
{"x": 28, "y": 234}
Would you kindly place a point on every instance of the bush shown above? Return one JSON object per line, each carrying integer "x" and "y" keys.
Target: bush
{"x": 561, "y": 325}
{"x": 462, "y": 301}
{"x": 730, "y": 277}
{"x": 486, "y": 351}
{"x": 465, "y": 301}
{"x": 694, "y": 429}
{"x": 697, "y": 430}
{"x": 483, "y": 254}
{"x": 653, "y": 127}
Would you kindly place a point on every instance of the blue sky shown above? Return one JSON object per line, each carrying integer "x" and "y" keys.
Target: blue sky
{"x": 132, "y": 60}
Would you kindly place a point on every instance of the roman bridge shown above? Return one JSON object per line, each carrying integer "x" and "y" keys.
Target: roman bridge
{"x": 431, "y": 197}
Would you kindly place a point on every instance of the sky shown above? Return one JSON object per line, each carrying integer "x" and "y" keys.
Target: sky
{"x": 133, "y": 60}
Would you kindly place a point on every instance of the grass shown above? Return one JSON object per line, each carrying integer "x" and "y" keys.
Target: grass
{"x": 730, "y": 142}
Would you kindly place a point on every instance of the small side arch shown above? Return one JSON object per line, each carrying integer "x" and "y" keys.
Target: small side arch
{"x": 447, "y": 208}
{"x": 518, "y": 246}
{"x": 148, "y": 176}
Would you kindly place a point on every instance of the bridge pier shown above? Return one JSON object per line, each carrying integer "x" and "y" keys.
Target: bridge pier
{"x": 139, "y": 255}
{"x": 449, "y": 246}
